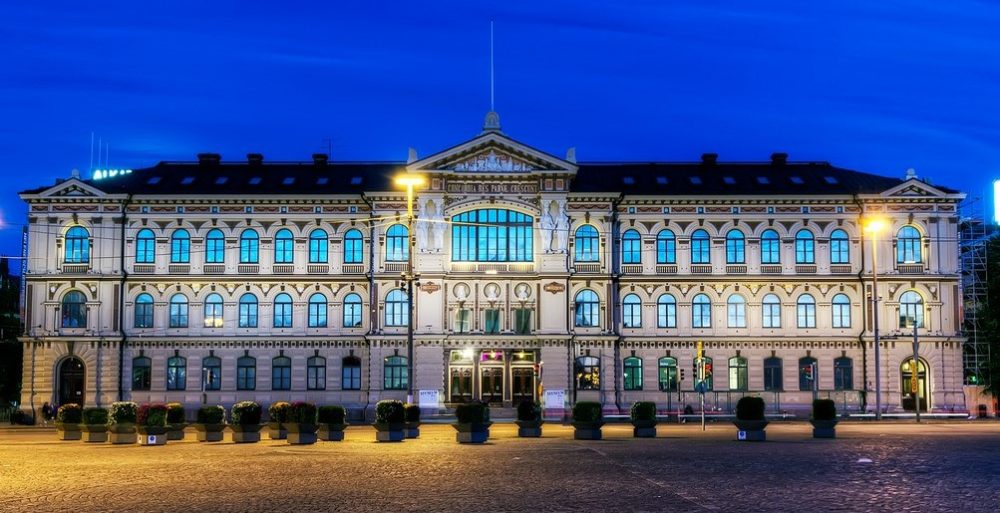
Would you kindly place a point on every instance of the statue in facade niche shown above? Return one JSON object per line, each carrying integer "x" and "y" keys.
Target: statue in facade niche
{"x": 546, "y": 225}
{"x": 421, "y": 229}
{"x": 437, "y": 228}
{"x": 562, "y": 229}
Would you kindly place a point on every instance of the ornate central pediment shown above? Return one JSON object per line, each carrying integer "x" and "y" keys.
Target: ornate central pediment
{"x": 492, "y": 161}
{"x": 491, "y": 152}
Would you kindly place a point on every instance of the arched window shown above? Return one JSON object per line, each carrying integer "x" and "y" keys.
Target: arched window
{"x": 770, "y": 247}
{"x": 843, "y": 373}
{"x": 215, "y": 247}
{"x": 246, "y": 373}
{"x": 491, "y": 235}
{"x": 586, "y": 244}
{"x": 631, "y": 247}
{"x": 908, "y": 246}
{"x": 142, "y": 373}
{"x": 350, "y": 373}
{"x": 633, "y": 373}
{"x": 840, "y": 247}
{"x": 805, "y": 247}
{"x": 77, "y": 250}
{"x": 667, "y": 374}
{"x": 396, "y": 373}
{"x": 841, "y": 311}
{"x": 248, "y": 311}
{"x": 700, "y": 248}
{"x": 666, "y": 247}
{"x": 319, "y": 247}
{"x": 145, "y": 247}
{"x": 397, "y": 245}
{"x": 805, "y": 309}
{"x": 317, "y": 311}
{"x": 738, "y": 376}
{"x": 911, "y": 310}
{"x": 353, "y": 247}
{"x": 281, "y": 373}
{"x": 180, "y": 247}
{"x": 178, "y": 311}
{"x": 701, "y": 312}
{"x": 284, "y": 247}
{"x": 74, "y": 310}
{"x": 735, "y": 247}
{"x": 176, "y": 373}
{"x": 352, "y": 311}
{"x": 772, "y": 374}
{"x": 666, "y": 311}
{"x": 283, "y": 311}
{"x": 396, "y": 308}
{"x": 736, "y": 308}
{"x": 632, "y": 311}
{"x": 771, "y": 310}
{"x": 249, "y": 247}
{"x": 586, "y": 309}
{"x": 587, "y": 371}
{"x": 143, "y": 317}
{"x": 808, "y": 373}
{"x": 213, "y": 311}
{"x": 316, "y": 373}
{"x": 212, "y": 372}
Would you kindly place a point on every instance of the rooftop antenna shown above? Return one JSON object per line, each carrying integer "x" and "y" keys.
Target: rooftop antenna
{"x": 91, "y": 152}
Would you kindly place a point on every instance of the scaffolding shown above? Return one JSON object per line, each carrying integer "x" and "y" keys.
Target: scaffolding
{"x": 974, "y": 232}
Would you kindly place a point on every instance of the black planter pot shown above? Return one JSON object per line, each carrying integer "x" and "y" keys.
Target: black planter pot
{"x": 412, "y": 430}
{"x": 68, "y": 431}
{"x": 587, "y": 430}
{"x": 301, "y": 433}
{"x": 824, "y": 428}
{"x": 529, "y": 428}
{"x": 389, "y": 432}
{"x": 751, "y": 430}
{"x": 94, "y": 432}
{"x": 276, "y": 431}
{"x": 176, "y": 431}
{"x": 122, "y": 434}
{"x": 209, "y": 432}
{"x": 331, "y": 432}
{"x": 245, "y": 433}
{"x": 152, "y": 435}
{"x": 472, "y": 433}
{"x": 644, "y": 428}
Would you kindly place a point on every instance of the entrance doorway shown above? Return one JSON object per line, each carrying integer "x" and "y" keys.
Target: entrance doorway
{"x": 461, "y": 384}
{"x": 909, "y": 394}
{"x": 492, "y": 384}
{"x": 71, "y": 381}
{"x": 501, "y": 377}
{"x": 523, "y": 384}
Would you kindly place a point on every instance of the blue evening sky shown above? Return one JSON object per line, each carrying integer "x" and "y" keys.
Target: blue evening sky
{"x": 874, "y": 86}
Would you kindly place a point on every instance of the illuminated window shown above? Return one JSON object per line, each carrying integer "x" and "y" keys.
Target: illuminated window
{"x": 632, "y": 311}
{"x": 700, "y": 247}
{"x": 666, "y": 247}
{"x": 586, "y": 309}
{"x": 284, "y": 247}
{"x": 667, "y": 374}
{"x": 805, "y": 247}
{"x": 701, "y": 312}
{"x": 77, "y": 250}
{"x": 353, "y": 247}
{"x": 908, "y": 246}
{"x": 352, "y": 311}
{"x": 317, "y": 311}
{"x": 492, "y": 235}
{"x": 319, "y": 247}
{"x": 911, "y": 310}
{"x": 246, "y": 373}
{"x": 143, "y": 317}
{"x": 215, "y": 247}
{"x": 249, "y": 247}
{"x": 396, "y": 308}
{"x": 840, "y": 248}
{"x": 735, "y": 247}
{"x": 587, "y": 370}
{"x": 283, "y": 311}
{"x": 586, "y": 244}
{"x": 396, "y": 373}
{"x": 180, "y": 247}
{"x": 631, "y": 247}
{"x": 397, "y": 245}
{"x": 738, "y": 375}
{"x": 178, "y": 311}
{"x": 770, "y": 247}
{"x": 176, "y": 373}
{"x": 316, "y": 373}
{"x": 248, "y": 311}
{"x": 771, "y": 311}
{"x": 145, "y": 247}
{"x": 666, "y": 311}
{"x": 213, "y": 311}
{"x": 633, "y": 373}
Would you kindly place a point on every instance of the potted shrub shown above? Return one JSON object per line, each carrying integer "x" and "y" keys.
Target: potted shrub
{"x": 245, "y": 417}
{"x": 750, "y": 419}
{"x": 587, "y": 420}
{"x": 824, "y": 418}
{"x": 301, "y": 423}
{"x": 331, "y": 423}
{"x": 210, "y": 421}
{"x": 643, "y": 415}
{"x": 411, "y": 412}
{"x": 472, "y": 423}
{"x": 175, "y": 421}
{"x": 68, "y": 419}
{"x": 151, "y": 421}
{"x": 529, "y": 419}
{"x": 95, "y": 425}
{"x": 121, "y": 422}
{"x": 390, "y": 421}
{"x": 277, "y": 413}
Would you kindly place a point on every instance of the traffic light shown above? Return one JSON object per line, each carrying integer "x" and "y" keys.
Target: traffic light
{"x": 808, "y": 372}
{"x": 708, "y": 371}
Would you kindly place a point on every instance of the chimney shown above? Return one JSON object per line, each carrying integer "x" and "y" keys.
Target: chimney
{"x": 320, "y": 159}
{"x": 255, "y": 159}
{"x": 209, "y": 158}
{"x": 779, "y": 159}
{"x": 709, "y": 159}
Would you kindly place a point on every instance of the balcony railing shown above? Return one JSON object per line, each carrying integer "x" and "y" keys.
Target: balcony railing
{"x": 770, "y": 269}
{"x": 736, "y": 269}
{"x": 805, "y": 269}
{"x": 283, "y": 268}
{"x": 248, "y": 268}
{"x": 354, "y": 268}
{"x": 594, "y": 267}
{"x": 397, "y": 267}
{"x": 481, "y": 267}
{"x": 840, "y": 269}
{"x": 143, "y": 268}
{"x": 666, "y": 269}
{"x": 910, "y": 268}
{"x": 75, "y": 268}
{"x": 179, "y": 268}
{"x": 214, "y": 268}
{"x": 701, "y": 269}
{"x": 631, "y": 268}
{"x": 317, "y": 269}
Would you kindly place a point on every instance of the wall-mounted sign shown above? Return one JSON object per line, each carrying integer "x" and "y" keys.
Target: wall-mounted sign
{"x": 554, "y": 287}
{"x": 430, "y": 287}
{"x": 428, "y": 398}
{"x": 555, "y": 398}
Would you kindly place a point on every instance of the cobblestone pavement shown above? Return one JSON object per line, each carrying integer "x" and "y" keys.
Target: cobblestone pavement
{"x": 932, "y": 467}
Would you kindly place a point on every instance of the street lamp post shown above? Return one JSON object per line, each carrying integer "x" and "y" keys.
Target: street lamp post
{"x": 409, "y": 181}
{"x": 874, "y": 226}
{"x": 915, "y": 376}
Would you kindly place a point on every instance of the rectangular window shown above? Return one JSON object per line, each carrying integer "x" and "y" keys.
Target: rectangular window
{"x": 351, "y": 377}
{"x": 772, "y": 315}
{"x": 281, "y": 378}
{"x": 213, "y": 377}
{"x": 772, "y": 374}
{"x": 462, "y": 321}
{"x": 492, "y": 321}
{"x": 316, "y": 377}
{"x": 246, "y": 377}
{"x": 141, "y": 377}
{"x": 522, "y": 321}
{"x": 248, "y": 315}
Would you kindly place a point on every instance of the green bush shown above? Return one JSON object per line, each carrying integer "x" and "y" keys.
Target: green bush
{"x": 278, "y": 412}
{"x": 302, "y": 413}
{"x": 332, "y": 414}
{"x": 211, "y": 415}
{"x": 643, "y": 410}
{"x": 95, "y": 416}
{"x": 175, "y": 413}
{"x": 412, "y": 413}
{"x": 824, "y": 409}
{"x": 472, "y": 413}
{"x": 123, "y": 412}
{"x": 750, "y": 408}
{"x": 529, "y": 411}
{"x": 389, "y": 411}
{"x": 587, "y": 411}
{"x": 152, "y": 415}
{"x": 246, "y": 413}
{"x": 69, "y": 414}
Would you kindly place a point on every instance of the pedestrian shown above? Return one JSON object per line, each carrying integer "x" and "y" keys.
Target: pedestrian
{"x": 46, "y": 413}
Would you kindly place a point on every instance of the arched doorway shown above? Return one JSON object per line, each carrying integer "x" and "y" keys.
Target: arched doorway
{"x": 71, "y": 381}
{"x": 906, "y": 385}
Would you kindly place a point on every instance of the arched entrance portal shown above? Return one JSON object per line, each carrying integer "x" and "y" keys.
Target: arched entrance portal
{"x": 71, "y": 381}
{"x": 909, "y": 389}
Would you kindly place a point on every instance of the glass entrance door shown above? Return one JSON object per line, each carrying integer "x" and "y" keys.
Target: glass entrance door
{"x": 461, "y": 384}
{"x": 523, "y": 386}
{"x": 492, "y": 384}
{"x": 906, "y": 385}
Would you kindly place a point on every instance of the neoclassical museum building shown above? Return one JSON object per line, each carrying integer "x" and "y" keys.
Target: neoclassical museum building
{"x": 532, "y": 276}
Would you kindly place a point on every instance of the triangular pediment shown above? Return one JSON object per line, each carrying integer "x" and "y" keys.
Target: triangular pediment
{"x": 492, "y": 153}
{"x": 74, "y": 187}
{"x": 913, "y": 188}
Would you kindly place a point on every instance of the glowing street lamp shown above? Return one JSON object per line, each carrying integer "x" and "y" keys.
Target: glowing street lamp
{"x": 409, "y": 182}
{"x": 874, "y": 226}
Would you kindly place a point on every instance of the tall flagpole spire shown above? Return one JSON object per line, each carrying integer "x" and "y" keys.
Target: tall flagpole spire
{"x": 492, "y": 121}
{"x": 492, "y": 108}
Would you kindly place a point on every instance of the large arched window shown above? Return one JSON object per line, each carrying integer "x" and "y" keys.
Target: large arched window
{"x": 211, "y": 371}
{"x": 840, "y": 247}
{"x": 353, "y": 247}
{"x": 666, "y": 311}
{"x": 587, "y": 373}
{"x": 350, "y": 373}
{"x": 249, "y": 247}
{"x": 739, "y": 379}
{"x": 180, "y": 247}
{"x": 396, "y": 308}
{"x": 701, "y": 312}
{"x": 246, "y": 373}
{"x": 805, "y": 310}
{"x": 770, "y": 247}
{"x": 397, "y": 244}
{"x": 396, "y": 373}
{"x": 908, "y": 246}
{"x": 143, "y": 317}
{"x": 352, "y": 311}
{"x": 631, "y": 247}
{"x": 736, "y": 308}
{"x": 319, "y": 246}
{"x": 145, "y": 247}
{"x": 586, "y": 244}
{"x": 281, "y": 373}
{"x": 772, "y": 374}
{"x": 843, "y": 373}
{"x": 178, "y": 317}
{"x": 176, "y": 373}
{"x": 283, "y": 311}
{"x": 911, "y": 310}
{"x": 771, "y": 311}
{"x": 586, "y": 309}
{"x": 317, "y": 311}
{"x": 805, "y": 247}
{"x": 700, "y": 248}
{"x": 632, "y": 311}
{"x": 74, "y": 310}
{"x": 316, "y": 373}
{"x": 491, "y": 235}
{"x": 248, "y": 311}
{"x": 667, "y": 374}
{"x": 284, "y": 247}
{"x": 666, "y": 247}
{"x": 142, "y": 373}
{"x": 808, "y": 373}
{"x": 841, "y": 311}
{"x": 735, "y": 247}
{"x": 77, "y": 250}
{"x": 213, "y": 311}
{"x": 215, "y": 247}
{"x": 632, "y": 374}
